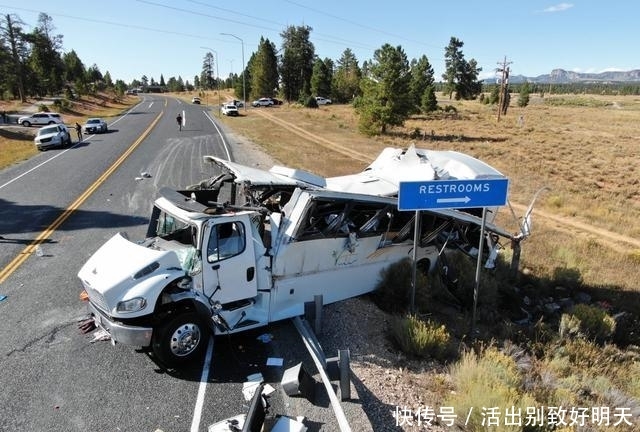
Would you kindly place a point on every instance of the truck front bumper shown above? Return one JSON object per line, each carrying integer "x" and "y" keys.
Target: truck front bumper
{"x": 121, "y": 333}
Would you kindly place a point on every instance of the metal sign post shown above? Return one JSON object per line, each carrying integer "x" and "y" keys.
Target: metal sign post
{"x": 451, "y": 194}
{"x": 476, "y": 286}
{"x": 416, "y": 240}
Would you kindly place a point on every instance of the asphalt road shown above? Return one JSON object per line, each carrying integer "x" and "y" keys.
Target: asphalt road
{"x": 70, "y": 201}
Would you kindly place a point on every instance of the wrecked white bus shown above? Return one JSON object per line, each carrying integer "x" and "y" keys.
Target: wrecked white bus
{"x": 282, "y": 237}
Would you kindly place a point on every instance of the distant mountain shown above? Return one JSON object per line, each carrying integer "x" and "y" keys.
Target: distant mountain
{"x": 561, "y": 76}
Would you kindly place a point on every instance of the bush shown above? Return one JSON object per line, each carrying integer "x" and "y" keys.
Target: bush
{"x": 61, "y": 104}
{"x": 43, "y": 108}
{"x": 311, "y": 102}
{"x": 585, "y": 321}
{"x": 392, "y": 294}
{"x": 488, "y": 379}
{"x": 420, "y": 338}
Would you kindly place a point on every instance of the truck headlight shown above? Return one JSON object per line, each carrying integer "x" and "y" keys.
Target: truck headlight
{"x": 132, "y": 305}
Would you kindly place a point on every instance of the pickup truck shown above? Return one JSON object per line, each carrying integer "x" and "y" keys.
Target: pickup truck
{"x": 229, "y": 110}
{"x": 248, "y": 247}
{"x": 55, "y": 135}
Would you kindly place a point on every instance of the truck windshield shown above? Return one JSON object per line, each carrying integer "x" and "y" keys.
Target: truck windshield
{"x": 168, "y": 224}
{"x": 170, "y": 233}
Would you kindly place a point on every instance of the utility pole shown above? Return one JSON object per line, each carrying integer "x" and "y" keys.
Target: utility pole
{"x": 503, "y": 101}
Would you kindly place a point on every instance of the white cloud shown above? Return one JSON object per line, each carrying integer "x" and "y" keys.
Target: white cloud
{"x": 559, "y": 7}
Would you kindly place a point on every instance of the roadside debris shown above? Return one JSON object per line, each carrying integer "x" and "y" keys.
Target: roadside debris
{"x": 265, "y": 338}
{"x": 275, "y": 361}
{"x": 249, "y": 387}
{"x": 87, "y": 325}
{"x": 3, "y": 297}
{"x": 101, "y": 335}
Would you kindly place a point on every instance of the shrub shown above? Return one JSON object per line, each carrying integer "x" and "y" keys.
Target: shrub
{"x": 392, "y": 294}
{"x": 569, "y": 326}
{"x": 415, "y": 133}
{"x": 488, "y": 379}
{"x": 634, "y": 256}
{"x": 61, "y": 104}
{"x": 588, "y": 322}
{"x": 417, "y": 337}
{"x": 311, "y": 102}
{"x": 43, "y": 108}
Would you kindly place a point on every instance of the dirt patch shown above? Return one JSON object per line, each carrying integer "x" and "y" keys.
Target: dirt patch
{"x": 17, "y": 133}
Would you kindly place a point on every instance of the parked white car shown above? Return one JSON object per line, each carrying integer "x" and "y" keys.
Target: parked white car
{"x": 229, "y": 110}
{"x": 323, "y": 101}
{"x": 40, "y": 119}
{"x": 52, "y": 136}
{"x": 95, "y": 125}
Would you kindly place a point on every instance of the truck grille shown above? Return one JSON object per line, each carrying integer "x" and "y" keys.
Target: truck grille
{"x": 96, "y": 298}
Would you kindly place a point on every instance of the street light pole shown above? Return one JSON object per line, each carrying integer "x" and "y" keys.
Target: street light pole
{"x": 217, "y": 76}
{"x": 244, "y": 86}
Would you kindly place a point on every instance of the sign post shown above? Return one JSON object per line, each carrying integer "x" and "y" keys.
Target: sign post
{"x": 451, "y": 194}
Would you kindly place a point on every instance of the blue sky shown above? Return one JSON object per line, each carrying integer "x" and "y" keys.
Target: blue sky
{"x": 132, "y": 38}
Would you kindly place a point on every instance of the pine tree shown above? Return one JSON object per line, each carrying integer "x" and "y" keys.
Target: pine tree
{"x": 461, "y": 77}
{"x": 421, "y": 79}
{"x": 386, "y": 99}
{"x": 346, "y": 78}
{"x": 296, "y": 67}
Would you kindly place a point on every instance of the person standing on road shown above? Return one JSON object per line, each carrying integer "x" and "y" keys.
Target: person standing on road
{"x": 79, "y": 131}
{"x": 179, "y": 120}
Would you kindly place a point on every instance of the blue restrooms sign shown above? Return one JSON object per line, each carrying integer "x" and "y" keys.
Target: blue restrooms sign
{"x": 447, "y": 194}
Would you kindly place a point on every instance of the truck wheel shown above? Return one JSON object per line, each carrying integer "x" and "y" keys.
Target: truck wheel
{"x": 180, "y": 340}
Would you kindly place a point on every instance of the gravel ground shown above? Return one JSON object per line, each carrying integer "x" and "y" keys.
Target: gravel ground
{"x": 383, "y": 381}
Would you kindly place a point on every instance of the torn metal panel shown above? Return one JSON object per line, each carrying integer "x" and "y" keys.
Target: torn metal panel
{"x": 393, "y": 166}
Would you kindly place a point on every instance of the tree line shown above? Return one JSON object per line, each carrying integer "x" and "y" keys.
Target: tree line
{"x": 384, "y": 90}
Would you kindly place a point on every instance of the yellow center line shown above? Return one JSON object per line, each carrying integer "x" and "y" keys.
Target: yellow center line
{"x": 44, "y": 235}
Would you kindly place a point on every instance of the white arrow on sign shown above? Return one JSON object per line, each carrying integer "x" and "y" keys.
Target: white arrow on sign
{"x": 454, "y": 200}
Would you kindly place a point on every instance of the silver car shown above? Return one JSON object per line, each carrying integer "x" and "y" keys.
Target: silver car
{"x": 52, "y": 136}
{"x": 94, "y": 126}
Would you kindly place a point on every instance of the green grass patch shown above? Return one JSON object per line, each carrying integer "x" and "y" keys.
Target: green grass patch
{"x": 420, "y": 338}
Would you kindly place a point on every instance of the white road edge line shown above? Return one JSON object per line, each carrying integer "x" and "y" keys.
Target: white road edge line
{"x": 58, "y": 154}
{"x": 197, "y": 410}
{"x": 224, "y": 143}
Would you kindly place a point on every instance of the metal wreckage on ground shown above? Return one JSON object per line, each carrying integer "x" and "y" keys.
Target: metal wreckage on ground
{"x": 282, "y": 237}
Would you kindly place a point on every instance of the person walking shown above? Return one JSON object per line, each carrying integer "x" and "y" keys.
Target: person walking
{"x": 179, "y": 120}
{"x": 79, "y": 131}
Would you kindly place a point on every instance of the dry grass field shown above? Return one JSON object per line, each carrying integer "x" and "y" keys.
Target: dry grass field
{"x": 16, "y": 143}
{"x": 586, "y": 239}
{"x": 584, "y": 148}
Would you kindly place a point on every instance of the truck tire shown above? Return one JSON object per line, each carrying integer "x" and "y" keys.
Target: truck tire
{"x": 181, "y": 340}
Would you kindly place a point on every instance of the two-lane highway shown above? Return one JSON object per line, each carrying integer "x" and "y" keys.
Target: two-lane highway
{"x": 68, "y": 202}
